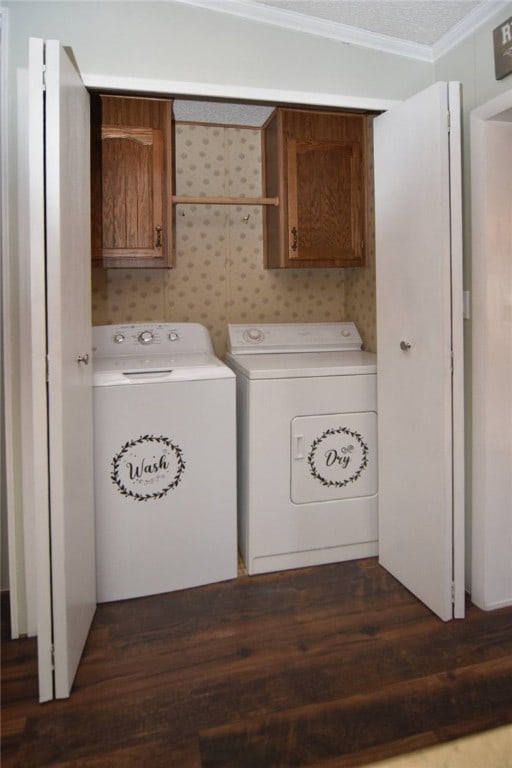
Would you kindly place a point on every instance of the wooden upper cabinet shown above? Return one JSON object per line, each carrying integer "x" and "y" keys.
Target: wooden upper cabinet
{"x": 132, "y": 220}
{"x": 316, "y": 162}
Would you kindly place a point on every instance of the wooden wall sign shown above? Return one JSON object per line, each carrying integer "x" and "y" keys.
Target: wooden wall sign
{"x": 503, "y": 49}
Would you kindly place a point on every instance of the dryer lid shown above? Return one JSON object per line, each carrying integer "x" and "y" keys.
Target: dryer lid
{"x": 303, "y": 365}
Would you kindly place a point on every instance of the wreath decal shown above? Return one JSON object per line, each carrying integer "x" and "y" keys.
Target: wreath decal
{"x": 148, "y": 467}
{"x": 340, "y": 458}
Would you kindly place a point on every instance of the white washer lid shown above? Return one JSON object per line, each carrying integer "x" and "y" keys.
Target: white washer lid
{"x": 154, "y": 369}
{"x": 304, "y": 364}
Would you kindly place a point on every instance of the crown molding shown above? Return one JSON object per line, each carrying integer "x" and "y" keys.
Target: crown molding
{"x": 467, "y": 26}
{"x": 298, "y": 22}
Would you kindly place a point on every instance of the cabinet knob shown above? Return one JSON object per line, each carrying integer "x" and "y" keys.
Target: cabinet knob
{"x": 295, "y": 235}
{"x": 158, "y": 230}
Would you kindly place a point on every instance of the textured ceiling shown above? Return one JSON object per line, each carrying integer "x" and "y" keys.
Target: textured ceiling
{"x": 418, "y": 21}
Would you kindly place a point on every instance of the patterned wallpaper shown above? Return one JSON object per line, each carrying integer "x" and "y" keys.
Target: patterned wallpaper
{"x": 219, "y": 276}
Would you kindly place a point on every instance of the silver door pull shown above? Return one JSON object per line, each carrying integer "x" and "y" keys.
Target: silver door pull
{"x": 405, "y": 345}
{"x": 83, "y": 359}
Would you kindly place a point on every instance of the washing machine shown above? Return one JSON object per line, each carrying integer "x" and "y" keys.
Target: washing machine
{"x": 307, "y": 444}
{"x": 164, "y": 460}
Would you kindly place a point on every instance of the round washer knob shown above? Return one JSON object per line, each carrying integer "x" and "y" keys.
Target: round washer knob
{"x": 146, "y": 337}
{"x": 173, "y": 336}
{"x": 253, "y": 335}
{"x": 345, "y": 332}
{"x": 119, "y": 338}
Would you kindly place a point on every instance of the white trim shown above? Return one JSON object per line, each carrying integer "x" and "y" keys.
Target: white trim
{"x": 491, "y": 109}
{"x": 456, "y": 229}
{"x": 353, "y": 35}
{"x": 494, "y": 606}
{"x": 238, "y": 92}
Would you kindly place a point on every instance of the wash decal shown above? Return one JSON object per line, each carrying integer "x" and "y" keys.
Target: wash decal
{"x": 338, "y": 457}
{"x": 148, "y": 467}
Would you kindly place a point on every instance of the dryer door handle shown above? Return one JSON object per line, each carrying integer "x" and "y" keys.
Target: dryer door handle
{"x": 298, "y": 452}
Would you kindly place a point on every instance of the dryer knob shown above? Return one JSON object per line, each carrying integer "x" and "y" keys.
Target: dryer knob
{"x": 146, "y": 337}
{"x": 119, "y": 338}
{"x": 253, "y": 335}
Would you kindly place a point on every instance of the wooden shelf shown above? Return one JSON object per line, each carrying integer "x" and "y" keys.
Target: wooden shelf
{"x": 189, "y": 200}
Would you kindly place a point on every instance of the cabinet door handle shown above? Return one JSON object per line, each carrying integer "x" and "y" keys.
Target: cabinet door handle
{"x": 158, "y": 230}
{"x": 295, "y": 235}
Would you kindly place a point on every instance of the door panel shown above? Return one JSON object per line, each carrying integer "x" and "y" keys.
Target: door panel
{"x": 69, "y": 390}
{"x": 325, "y": 200}
{"x": 333, "y": 457}
{"x": 415, "y": 274}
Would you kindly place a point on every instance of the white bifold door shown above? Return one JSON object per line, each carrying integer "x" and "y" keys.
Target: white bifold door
{"x": 420, "y": 346}
{"x": 60, "y": 276}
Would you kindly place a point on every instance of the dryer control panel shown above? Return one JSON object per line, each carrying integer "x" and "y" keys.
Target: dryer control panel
{"x": 293, "y": 337}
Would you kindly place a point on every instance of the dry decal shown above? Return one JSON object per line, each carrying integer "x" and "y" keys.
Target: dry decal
{"x": 148, "y": 467}
{"x": 338, "y": 457}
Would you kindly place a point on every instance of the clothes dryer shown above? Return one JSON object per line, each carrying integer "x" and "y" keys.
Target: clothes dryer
{"x": 307, "y": 444}
{"x": 164, "y": 460}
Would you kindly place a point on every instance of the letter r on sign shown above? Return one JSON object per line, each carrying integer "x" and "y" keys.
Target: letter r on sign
{"x": 506, "y": 34}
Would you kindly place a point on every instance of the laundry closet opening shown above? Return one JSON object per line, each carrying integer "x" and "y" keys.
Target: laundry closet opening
{"x": 218, "y": 274}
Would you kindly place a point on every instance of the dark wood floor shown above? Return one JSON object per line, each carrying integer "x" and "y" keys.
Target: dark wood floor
{"x": 330, "y": 666}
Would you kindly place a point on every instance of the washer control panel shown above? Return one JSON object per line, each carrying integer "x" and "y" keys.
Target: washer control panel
{"x": 293, "y": 337}
{"x": 161, "y": 338}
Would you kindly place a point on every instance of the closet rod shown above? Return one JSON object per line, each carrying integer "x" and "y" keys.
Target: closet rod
{"x": 225, "y": 200}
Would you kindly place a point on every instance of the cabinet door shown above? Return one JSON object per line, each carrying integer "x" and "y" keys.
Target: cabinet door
{"x": 131, "y": 185}
{"x": 132, "y": 192}
{"x": 325, "y": 202}
{"x": 316, "y": 162}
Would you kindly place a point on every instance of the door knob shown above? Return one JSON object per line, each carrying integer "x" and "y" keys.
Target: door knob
{"x": 83, "y": 359}
{"x": 405, "y": 345}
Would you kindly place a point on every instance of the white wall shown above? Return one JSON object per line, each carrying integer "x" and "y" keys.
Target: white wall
{"x": 170, "y": 41}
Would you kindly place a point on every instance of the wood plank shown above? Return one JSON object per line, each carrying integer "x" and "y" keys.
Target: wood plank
{"x": 330, "y": 666}
{"x": 319, "y": 732}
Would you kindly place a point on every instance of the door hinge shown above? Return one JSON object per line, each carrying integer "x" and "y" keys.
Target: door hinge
{"x": 453, "y": 592}
{"x": 52, "y": 655}
{"x": 451, "y": 361}
{"x": 449, "y": 122}
{"x": 47, "y": 368}
{"x": 43, "y": 78}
